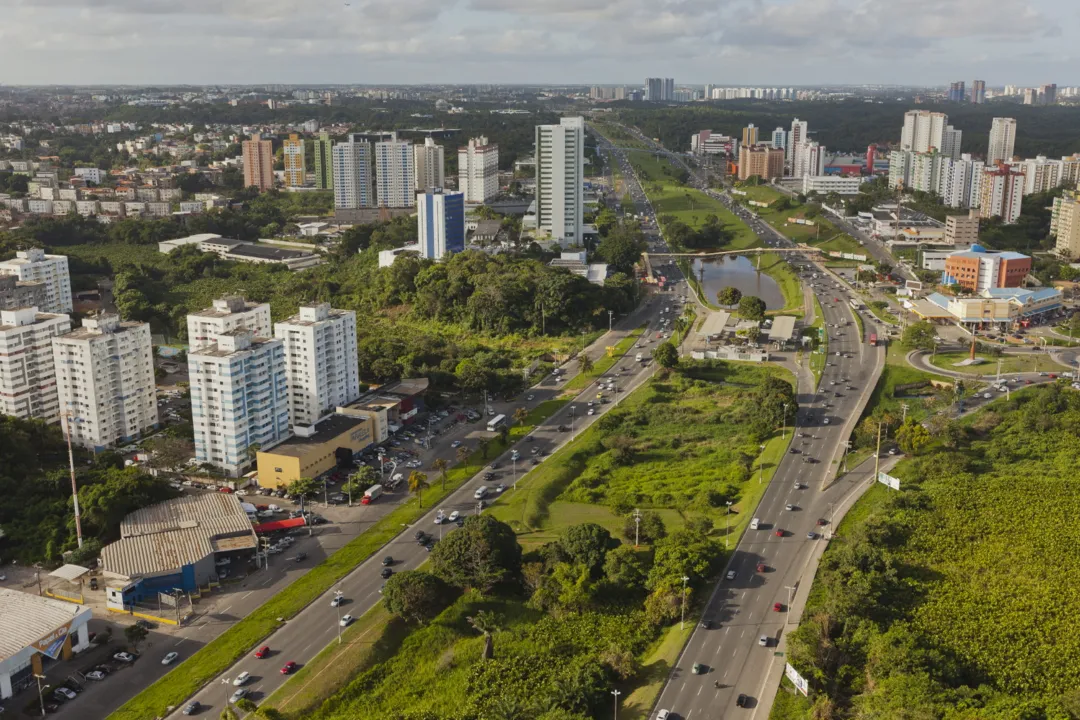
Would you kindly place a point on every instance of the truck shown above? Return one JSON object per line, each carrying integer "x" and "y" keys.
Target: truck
{"x": 371, "y": 494}
{"x": 873, "y": 339}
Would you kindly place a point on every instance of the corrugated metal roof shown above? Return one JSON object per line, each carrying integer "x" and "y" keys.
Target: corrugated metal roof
{"x": 783, "y": 327}
{"x": 69, "y": 572}
{"x": 26, "y": 618}
{"x": 219, "y": 511}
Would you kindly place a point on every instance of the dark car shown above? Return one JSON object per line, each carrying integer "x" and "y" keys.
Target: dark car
{"x": 742, "y": 701}
{"x": 388, "y": 560}
{"x": 386, "y": 572}
{"x": 192, "y": 707}
{"x": 301, "y": 557}
{"x": 422, "y": 538}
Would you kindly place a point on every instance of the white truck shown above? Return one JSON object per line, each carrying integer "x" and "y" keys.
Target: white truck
{"x": 371, "y": 494}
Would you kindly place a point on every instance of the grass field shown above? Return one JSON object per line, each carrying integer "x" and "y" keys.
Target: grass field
{"x": 989, "y": 367}
{"x": 822, "y": 234}
{"x": 881, "y": 314}
{"x": 777, "y": 268}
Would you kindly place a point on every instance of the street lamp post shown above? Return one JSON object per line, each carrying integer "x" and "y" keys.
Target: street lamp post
{"x": 761, "y": 466}
{"x": 682, "y": 603}
{"x": 225, "y": 682}
{"x": 337, "y": 596}
{"x": 514, "y": 461}
{"x": 727, "y": 525}
{"x": 790, "y": 589}
{"x": 783, "y": 435}
{"x": 41, "y": 698}
{"x": 610, "y": 317}
{"x": 637, "y": 527}
{"x": 616, "y": 693}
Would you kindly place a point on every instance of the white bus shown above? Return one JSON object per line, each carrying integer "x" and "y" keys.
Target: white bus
{"x": 496, "y": 422}
{"x": 855, "y": 304}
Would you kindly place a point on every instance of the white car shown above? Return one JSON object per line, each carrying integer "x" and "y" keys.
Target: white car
{"x": 124, "y": 657}
{"x": 241, "y": 678}
{"x": 456, "y": 444}
{"x": 95, "y": 675}
{"x": 65, "y": 692}
{"x": 454, "y": 516}
{"x": 730, "y": 574}
{"x": 346, "y": 620}
{"x": 336, "y": 601}
{"x": 170, "y": 658}
{"x": 439, "y": 517}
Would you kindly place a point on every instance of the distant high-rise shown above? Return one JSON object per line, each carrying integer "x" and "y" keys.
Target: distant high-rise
{"x": 559, "y": 179}
{"x": 1048, "y": 94}
{"x": 925, "y": 131}
{"x": 750, "y": 135}
{"x": 978, "y": 92}
{"x": 258, "y": 163}
{"x": 1002, "y": 140}
{"x": 799, "y": 133}
{"x": 956, "y": 92}
{"x": 440, "y": 223}
{"x": 430, "y": 162}
{"x": 395, "y": 173}
{"x": 478, "y": 170}
{"x": 779, "y": 138}
{"x": 659, "y": 89}
{"x": 669, "y": 88}
{"x": 324, "y": 162}
{"x": 352, "y": 174}
{"x": 1030, "y": 96}
{"x": 295, "y": 162}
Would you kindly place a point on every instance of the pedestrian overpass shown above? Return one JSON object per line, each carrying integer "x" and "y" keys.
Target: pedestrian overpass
{"x": 646, "y": 257}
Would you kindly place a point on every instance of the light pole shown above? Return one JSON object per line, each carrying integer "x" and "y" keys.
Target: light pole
{"x": 616, "y": 693}
{"x": 225, "y": 682}
{"x": 610, "y": 317}
{"x": 41, "y": 698}
{"x": 637, "y": 527}
{"x": 514, "y": 461}
{"x": 727, "y": 524}
{"x": 682, "y": 603}
{"x": 790, "y": 589}
{"x": 761, "y": 466}
{"x": 783, "y": 435}
{"x": 337, "y": 597}
{"x": 847, "y": 447}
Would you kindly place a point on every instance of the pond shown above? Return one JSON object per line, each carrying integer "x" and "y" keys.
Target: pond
{"x": 739, "y": 272}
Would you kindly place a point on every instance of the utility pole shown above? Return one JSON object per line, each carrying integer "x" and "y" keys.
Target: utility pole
{"x": 337, "y": 596}
{"x": 682, "y": 603}
{"x": 877, "y": 453}
{"x": 790, "y": 589}
{"x": 637, "y": 527}
{"x": 761, "y": 466}
{"x": 616, "y": 693}
{"x": 903, "y": 412}
{"x": 74, "y": 486}
{"x": 727, "y": 526}
{"x": 610, "y": 317}
{"x": 847, "y": 448}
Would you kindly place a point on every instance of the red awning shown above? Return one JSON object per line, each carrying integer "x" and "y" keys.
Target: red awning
{"x": 275, "y": 525}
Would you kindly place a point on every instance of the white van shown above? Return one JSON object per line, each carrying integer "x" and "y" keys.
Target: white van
{"x": 481, "y": 492}
{"x": 755, "y": 523}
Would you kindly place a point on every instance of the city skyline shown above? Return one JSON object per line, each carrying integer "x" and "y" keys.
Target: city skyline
{"x": 486, "y": 41}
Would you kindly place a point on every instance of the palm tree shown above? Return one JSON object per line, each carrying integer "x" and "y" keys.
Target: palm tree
{"x": 463, "y": 454}
{"x": 484, "y": 443}
{"x": 585, "y": 363}
{"x": 417, "y": 484}
{"x": 519, "y": 416}
{"x": 485, "y": 622}
{"x": 440, "y": 466}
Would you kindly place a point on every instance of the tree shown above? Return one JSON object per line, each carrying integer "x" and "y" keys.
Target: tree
{"x": 626, "y": 567}
{"x": 921, "y": 335}
{"x": 414, "y": 595}
{"x": 462, "y": 453}
{"x": 587, "y": 544}
{"x": 666, "y": 355}
{"x": 912, "y": 437}
{"x": 170, "y": 453}
{"x": 228, "y": 714}
{"x": 135, "y": 634}
{"x": 729, "y": 296}
{"x": 440, "y": 465}
{"x": 246, "y": 704}
{"x": 364, "y": 477}
{"x": 418, "y": 483}
{"x": 585, "y": 364}
{"x": 622, "y": 247}
{"x": 303, "y": 487}
{"x": 519, "y": 416}
{"x": 649, "y": 531}
{"x": 481, "y": 555}
{"x": 752, "y": 308}
{"x": 486, "y": 623}
{"x": 773, "y": 402}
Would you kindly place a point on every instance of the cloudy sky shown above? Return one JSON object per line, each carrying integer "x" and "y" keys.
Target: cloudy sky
{"x": 735, "y": 42}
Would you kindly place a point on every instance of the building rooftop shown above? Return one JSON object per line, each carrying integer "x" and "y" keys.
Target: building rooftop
{"x": 25, "y": 619}
{"x": 214, "y": 349}
{"x": 783, "y": 327}
{"x": 85, "y": 333}
{"x": 715, "y": 323}
{"x": 405, "y": 386}
{"x": 213, "y": 312}
{"x": 325, "y": 431}
{"x": 266, "y": 252}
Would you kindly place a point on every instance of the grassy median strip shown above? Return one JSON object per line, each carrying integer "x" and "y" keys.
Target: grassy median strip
{"x": 582, "y": 380}
{"x": 817, "y": 357}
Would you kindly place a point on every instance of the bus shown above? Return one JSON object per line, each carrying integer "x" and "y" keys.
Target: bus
{"x": 496, "y": 422}
{"x": 855, "y": 304}
{"x": 873, "y": 339}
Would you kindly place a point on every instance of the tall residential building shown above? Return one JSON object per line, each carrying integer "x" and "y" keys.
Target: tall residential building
{"x": 258, "y": 163}
{"x": 659, "y": 89}
{"x": 27, "y": 371}
{"x": 810, "y": 160}
{"x": 321, "y": 361}
{"x": 749, "y": 135}
{"x": 1030, "y": 96}
{"x": 225, "y": 315}
{"x": 799, "y": 133}
{"x": 779, "y": 138}
{"x": 761, "y": 160}
{"x": 560, "y": 159}
{"x": 956, "y": 91}
{"x": 105, "y": 381}
{"x": 440, "y": 223}
{"x": 950, "y": 142}
{"x": 395, "y": 173}
{"x": 34, "y": 265}
{"x": 17, "y": 294}
{"x": 925, "y": 131}
{"x": 352, "y": 174}
{"x": 1002, "y": 140}
{"x": 962, "y": 229}
{"x": 430, "y": 163}
{"x": 978, "y": 92}
{"x": 1002, "y": 192}
{"x": 1048, "y": 94}
{"x": 669, "y": 88}
{"x": 478, "y": 170}
{"x": 1065, "y": 225}
{"x": 239, "y": 399}
{"x": 295, "y": 162}
{"x": 324, "y": 162}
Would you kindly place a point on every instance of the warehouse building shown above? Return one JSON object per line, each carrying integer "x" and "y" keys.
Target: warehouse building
{"x": 315, "y": 449}
{"x": 33, "y": 628}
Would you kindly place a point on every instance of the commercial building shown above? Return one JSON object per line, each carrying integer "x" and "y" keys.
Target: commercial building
{"x": 962, "y": 229}
{"x": 1065, "y": 225}
{"x": 258, "y": 163}
{"x": 260, "y": 254}
{"x": 353, "y": 188}
{"x": 825, "y": 184}
{"x": 105, "y": 381}
{"x": 925, "y": 131}
{"x": 440, "y": 223}
{"x": 34, "y": 265}
{"x": 578, "y": 264}
{"x": 32, "y": 626}
{"x": 321, "y": 361}
{"x": 15, "y": 293}
{"x": 560, "y": 159}
{"x": 395, "y": 173}
{"x": 1002, "y": 307}
{"x": 1002, "y": 140}
{"x": 324, "y": 162}
{"x": 390, "y": 407}
{"x": 978, "y": 269}
{"x": 761, "y": 160}
{"x": 225, "y": 315}
{"x": 27, "y": 372}
{"x": 174, "y": 546}
{"x": 478, "y": 170}
{"x": 239, "y": 398}
{"x": 430, "y": 163}
{"x": 1002, "y": 192}
{"x": 315, "y": 449}
{"x": 295, "y": 161}
{"x": 706, "y": 142}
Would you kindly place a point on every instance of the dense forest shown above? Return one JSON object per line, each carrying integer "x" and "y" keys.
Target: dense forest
{"x": 852, "y": 125}
{"x": 956, "y": 597}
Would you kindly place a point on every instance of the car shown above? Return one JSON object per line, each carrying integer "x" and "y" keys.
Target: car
{"x": 530, "y": 397}
{"x": 263, "y": 652}
{"x": 238, "y": 695}
{"x": 778, "y": 607}
{"x": 95, "y": 675}
{"x": 698, "y": 669}
{"x": 346, "y": 620}
{"x": 892, "y": 451}
{"x": 811, "y": 535}
{"x": 124, "y": 657}
{"x": 386, "y": 572}
{"x": 241, "y": 678}
{"x": 454, "y": 516}
{"x": 779, "y": 532}
{"x": 761, "y": 567}
{"x": 763, "y": 641}
{"x": 798, "y": 485}
{"x": 663, "y": 714}
{"x": 825, "y": 421}
{"x": 500, "y": 488}
{"x": 789, "y": 507}
{"x": 706, "y": 624}
{"x": 288, "y": 667}
{"x": 439, "y": 517}
{"x": 62, "y": 694}
{"x": 192, "y": 707}
{"x": 794, "y": 451}
{"x": 456, "y": 444}
{"x": 335, "y": 601}
{"x": 592, "y": 411}
{"x": 742, "y": 701}
{"x": 301, "y": 557}
{"x": 169, "y": 658}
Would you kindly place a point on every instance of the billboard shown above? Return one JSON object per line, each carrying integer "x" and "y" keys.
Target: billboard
{"x": 796, "y": 679}
{"x": 889, "y": 480}
{"x": 53, "y": 643}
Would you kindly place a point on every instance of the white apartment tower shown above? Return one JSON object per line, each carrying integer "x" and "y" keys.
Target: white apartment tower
{"x": 34, "y": 265}
{"x": 239, "y": 399}
{"x": 321, "y": 361}
{"x": 1002, "y": 140}
{"x": 809, "y": 160}
{"x": 395, "y": 173}
{"x": 430, "y": 162}
{"x": 559, "y": 181}
{"x": 1002, "y": 192}
{"x": 352, "y": 174}
{"x": 27, "y": 372}
{"x": 105, "y": 381}
{"x": 478, "y": 170}
{"x": 228, "y": 314}
{"x": 799, "y": 134}
{"x": 925, "y": 131}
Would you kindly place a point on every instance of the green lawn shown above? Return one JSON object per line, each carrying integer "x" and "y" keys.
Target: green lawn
{"x": 821, "y": 234}
{"x": 989, "y": 367}
{"x": 655, "y": 669}
{"x": 582, "y": 380}
{"x": 881, "y": 314}
{"x": 818, "y": 358}
{"x": 778, "y": 269}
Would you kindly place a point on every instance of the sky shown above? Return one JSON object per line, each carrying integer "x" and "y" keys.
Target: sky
{"x": 724, "y": 42}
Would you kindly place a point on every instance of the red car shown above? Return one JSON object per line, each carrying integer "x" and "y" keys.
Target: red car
{"x": 289, "y": 667}
{"x": 836, "y": 299}
{"x": 779, "y": 532}
{"x": 821, "y": 522}
{"x": 1053, "y": 376}
{"x": 778, "y": 607}
{"x": 263, "y": 652}
{"x": 761, "y": 567}
{"x": 227, "y": 490}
